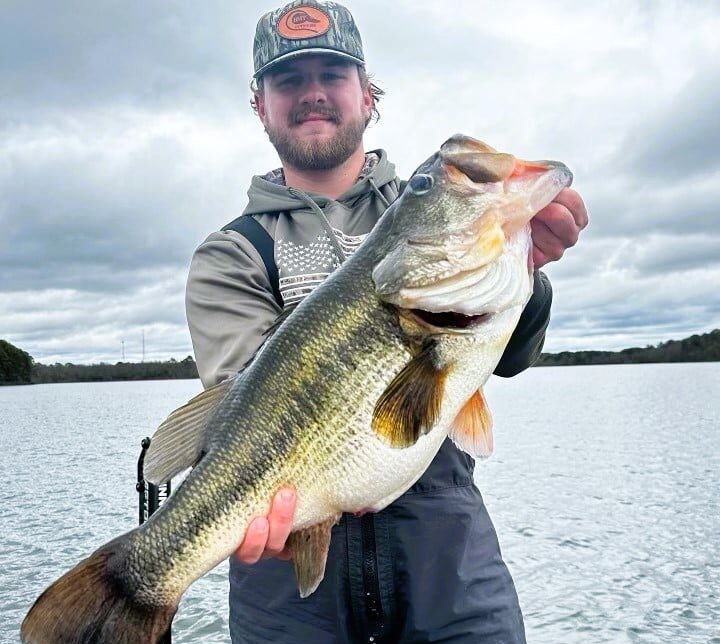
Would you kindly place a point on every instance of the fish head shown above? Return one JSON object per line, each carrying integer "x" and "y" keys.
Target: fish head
{"x": 455, "y": 269}
{"x": 459, "y": 245}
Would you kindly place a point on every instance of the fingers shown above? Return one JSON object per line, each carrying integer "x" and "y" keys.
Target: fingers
{"x": 280, "y": 518}
{"x": 253, "y": 545}
{"x": 559, "y": 222}
{"x": 546, "y": 245}
{"x": 557, "y": 227}
{"x": 575, "y": 205}
{"x": 266, "y": 536}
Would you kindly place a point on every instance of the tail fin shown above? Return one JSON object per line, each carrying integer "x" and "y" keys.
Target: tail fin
{"x": 88, "y": 605}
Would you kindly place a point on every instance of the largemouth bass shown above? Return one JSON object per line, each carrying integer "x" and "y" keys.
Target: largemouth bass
{"x": 348, "y": 401}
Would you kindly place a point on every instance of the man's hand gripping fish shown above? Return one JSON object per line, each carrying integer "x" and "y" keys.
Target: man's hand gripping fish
{"x": 348, "y": 401}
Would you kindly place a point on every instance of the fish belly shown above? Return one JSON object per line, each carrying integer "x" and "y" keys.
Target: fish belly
{"x": 367, "y": 473}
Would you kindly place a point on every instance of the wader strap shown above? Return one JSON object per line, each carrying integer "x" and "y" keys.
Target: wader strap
{"x": 249, "y": 228}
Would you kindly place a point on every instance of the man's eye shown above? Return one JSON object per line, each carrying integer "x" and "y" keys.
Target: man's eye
{"x": 289, "y": 81}
{"x": 332, "y": 75}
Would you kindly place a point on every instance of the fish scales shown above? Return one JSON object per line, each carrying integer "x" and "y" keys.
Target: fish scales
{"x": 322, "y": 408}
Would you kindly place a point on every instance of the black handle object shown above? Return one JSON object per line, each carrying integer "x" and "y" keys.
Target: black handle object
{"x": 151, "y": 497}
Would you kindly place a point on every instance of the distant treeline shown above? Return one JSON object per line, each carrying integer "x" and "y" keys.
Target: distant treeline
{"x": 18, "y": 367}
{"x": 169, "y": 370}
{"x": 696, "y": 348}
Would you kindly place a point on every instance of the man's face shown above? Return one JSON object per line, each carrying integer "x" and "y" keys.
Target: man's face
{"x": 314, "y": 111}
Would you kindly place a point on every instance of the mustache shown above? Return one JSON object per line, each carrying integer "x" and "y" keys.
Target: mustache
{"x": 302, "y": 113}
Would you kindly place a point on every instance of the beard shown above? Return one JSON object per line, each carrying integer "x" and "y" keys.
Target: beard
{"x": 316, "y": 155}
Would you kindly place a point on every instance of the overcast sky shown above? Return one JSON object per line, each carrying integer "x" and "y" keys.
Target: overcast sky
{"x": 126, "y": 138}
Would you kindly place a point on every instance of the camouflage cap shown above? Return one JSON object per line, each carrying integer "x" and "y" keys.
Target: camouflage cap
{"x": 305, "y": 27}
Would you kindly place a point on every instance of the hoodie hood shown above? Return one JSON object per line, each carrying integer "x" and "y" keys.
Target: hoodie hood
{"x": 267, "y": 197}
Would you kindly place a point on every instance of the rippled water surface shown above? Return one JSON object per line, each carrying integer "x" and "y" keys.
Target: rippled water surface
{"x": 603, "y": 488}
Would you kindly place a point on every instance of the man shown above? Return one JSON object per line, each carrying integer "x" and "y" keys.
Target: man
{"x": 428, "y": 567}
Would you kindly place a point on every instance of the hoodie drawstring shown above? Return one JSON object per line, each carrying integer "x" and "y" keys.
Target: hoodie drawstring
{"x": 380, "y": 195}
{"x": 334, "y": 241}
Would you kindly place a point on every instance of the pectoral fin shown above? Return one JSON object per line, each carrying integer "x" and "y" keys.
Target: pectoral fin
{"x": 309, "y": 550}
{"x": 472, "y": 428}
{"x": 410, "y": 405}
{"x": 178, "y": 443}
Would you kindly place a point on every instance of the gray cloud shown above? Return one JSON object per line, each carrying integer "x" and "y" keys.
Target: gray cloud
{"x": 68, "y": 325}
{"x": 680, "y": 140}
{"x": 667, "y": 254}
{"x": 126, "y": 138}
{"x": 79, "y": 55}
{"x": 84, "y": 213}
{"x": 611, "y": 306}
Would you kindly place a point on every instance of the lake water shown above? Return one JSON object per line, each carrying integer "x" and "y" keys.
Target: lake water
{"x": 603, "y": 488}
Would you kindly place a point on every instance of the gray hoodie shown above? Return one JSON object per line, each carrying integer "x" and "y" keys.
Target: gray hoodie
{"x": 229, "y": 297}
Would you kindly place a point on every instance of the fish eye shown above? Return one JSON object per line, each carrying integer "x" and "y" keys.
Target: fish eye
{"x": 421, "y": 183}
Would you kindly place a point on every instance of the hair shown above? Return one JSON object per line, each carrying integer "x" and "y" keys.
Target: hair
{"x": 256, "y": 87}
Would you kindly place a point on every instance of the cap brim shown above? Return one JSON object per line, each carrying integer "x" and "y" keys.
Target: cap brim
{"x": 304, "y": 52}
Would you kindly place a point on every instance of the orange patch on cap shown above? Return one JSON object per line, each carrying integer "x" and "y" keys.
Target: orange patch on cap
{"x": 303, "y": 22}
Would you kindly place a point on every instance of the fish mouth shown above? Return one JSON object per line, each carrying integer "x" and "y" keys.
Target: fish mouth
{"x": 446, "y": 319}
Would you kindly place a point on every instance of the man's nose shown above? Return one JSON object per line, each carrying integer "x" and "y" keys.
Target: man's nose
{"x": 313, "y": 92}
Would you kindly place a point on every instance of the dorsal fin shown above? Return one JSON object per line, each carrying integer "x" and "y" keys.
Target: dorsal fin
{"x": 178, "y": 443}
{"x": 410, "y": 405}
{"x": 472, "y": 428}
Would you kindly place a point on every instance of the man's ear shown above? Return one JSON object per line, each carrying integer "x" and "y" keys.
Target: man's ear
{"x": 367, "y": 103}
{"x": 260, "y": 106}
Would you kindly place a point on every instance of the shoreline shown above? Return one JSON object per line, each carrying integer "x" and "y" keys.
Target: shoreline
{"x": 195, "y": 377}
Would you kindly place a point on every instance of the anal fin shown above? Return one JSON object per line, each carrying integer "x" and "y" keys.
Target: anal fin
{"x": 472, "y": 428}
{"x": 309, "y": 551}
